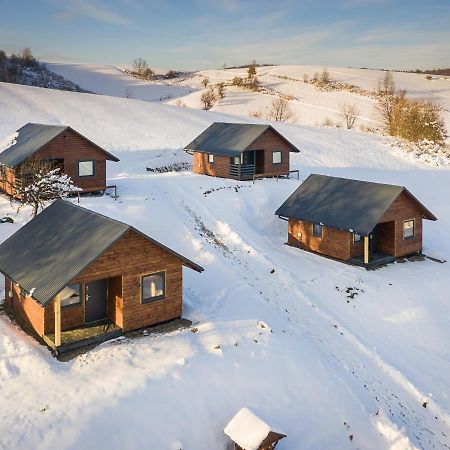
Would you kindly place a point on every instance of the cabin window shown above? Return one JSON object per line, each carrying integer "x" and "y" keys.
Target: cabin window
{"x": 210, "y": 158}
{"x": 357, "y": 238}
{"x": 317, "y": 230}
{"x": 236, "y": 160}
{"x": 86, "y": 168}
{"x": 408, "y": 229}
{"x": 71, "y": 295}
{"x": 153, "y": 287}
{"x": 276, "y": 157}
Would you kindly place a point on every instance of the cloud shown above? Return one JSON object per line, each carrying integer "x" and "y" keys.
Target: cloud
{"x": 92, "y": 9}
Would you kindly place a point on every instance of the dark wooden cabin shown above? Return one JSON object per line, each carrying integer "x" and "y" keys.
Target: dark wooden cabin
{"x": 62, "y": 146}
{"x": 358, "y": 221}
{"x": 240, "y": 151}
{"x": 250, "y": 432}
{"x": 72, "y": 273}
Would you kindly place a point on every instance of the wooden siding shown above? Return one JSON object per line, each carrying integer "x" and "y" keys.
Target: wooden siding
{"x": 219, "y": 168}
{"x": 270, "y": 142}
{"x": 334, "y": 243}
{"x": 404, "y": 208}
{"x": 25, "y": 309}
{"x": 389, "y": 234}
{"x": 7, "y": 180}
{"x": 131, "y": 257}
{"x": 72, "y": 148}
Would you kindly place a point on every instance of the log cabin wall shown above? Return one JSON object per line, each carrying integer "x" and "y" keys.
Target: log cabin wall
{"x": 219, "y": 168}
{"x": 25, "y": 309}
{"x": 271, "y": 141}
{"x": 7, "y": 181}
{"x": 74, "y": 148}
{"x": 334, "y": 243}
{"x": 402, "y": 209}
{"x": 123, "y": 264}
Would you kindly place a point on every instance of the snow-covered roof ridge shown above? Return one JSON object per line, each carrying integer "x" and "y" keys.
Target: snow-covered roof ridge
{"x": 248, "y": 430}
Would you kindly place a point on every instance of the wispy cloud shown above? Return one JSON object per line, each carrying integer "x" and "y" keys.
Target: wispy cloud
{"x": 92, "y": 9}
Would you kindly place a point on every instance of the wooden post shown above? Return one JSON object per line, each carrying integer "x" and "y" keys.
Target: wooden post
{"x": 366, "y": 249}
{"x": 57, "y": 308}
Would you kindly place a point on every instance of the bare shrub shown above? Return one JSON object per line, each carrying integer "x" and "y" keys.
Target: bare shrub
{"x": 280, "y": 110}
{"x": 315, "y": 77}
{"x": 208, "y": 99}
{"x": 256, "y": 114}
{"x": 220, "y": 88}
{"x": 325, "y": 76}
{"x": 305, "y": 77}
{"x": 386, "y": 84}
{"x": 237, "y": 81}
{"x": 350, "y": 113}
{"x": 205, "y": 82}
{"x": 140, "y": 65}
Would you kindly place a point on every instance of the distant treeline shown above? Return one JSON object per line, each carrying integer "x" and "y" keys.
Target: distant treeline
{"x": 444, "y": 72}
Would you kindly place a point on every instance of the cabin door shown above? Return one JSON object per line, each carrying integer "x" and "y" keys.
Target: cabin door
{"x": 96, "y": 301}
{"x": 373, "y": 240}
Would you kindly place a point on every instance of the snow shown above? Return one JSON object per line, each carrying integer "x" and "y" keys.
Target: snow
{"x": 8, "y": 141}
{"x": 110, "y": 80}
{"x": 248, "y": 430}
{"x": 290, "y": 343}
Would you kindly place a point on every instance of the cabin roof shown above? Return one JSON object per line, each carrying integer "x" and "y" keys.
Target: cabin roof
{"x": 250, "y": 432}
{"x": 44, "y": 255}
{"x": 230, "y": 139}
{"x": 344, "y": 204}
{"x": 32, "y": 137}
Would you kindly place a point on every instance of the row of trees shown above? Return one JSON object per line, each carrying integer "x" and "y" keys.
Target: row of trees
{"x": 142, "y": 70}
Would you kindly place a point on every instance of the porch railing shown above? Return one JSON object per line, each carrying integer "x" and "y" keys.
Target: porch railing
{"x": 247, "y": 170}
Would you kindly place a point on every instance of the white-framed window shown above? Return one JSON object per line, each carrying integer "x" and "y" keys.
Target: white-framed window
{"x": 236, "y": 160}
{"x": 317, "y": 230}
{"x": 210, "y": 158}
{"x": 86, "y": 168}
{"x": 153, "y": 287}
{"x": 408, "y": 229}
{"x": 357, "y": 238}
{"x": 71, "y": 295}
{"x": 276, "y": 157}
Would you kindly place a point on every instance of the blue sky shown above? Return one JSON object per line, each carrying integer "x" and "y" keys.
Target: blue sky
{"x": 190, "y": 34}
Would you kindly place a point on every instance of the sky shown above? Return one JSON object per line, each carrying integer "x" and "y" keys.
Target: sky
{"x": 198, "y": 34}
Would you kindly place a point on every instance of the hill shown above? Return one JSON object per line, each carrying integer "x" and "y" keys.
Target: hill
{"x": 336, "y": 372}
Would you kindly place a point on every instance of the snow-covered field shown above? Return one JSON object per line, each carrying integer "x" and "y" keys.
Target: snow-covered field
{"x": 310, "y": 105}
{"x": 334, "y": 372}
{"x": 110, "y": 80}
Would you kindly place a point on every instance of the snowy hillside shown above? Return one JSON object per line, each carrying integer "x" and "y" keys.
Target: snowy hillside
{"x": 336, "y": 372}
{"x": 110, "y": 80}
{"x": 310, "y": 105}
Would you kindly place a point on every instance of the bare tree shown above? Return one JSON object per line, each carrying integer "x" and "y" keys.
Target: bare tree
{"x": 350, "y": 113}
{"x": 251, "y": 73}
{"x": 37, "y": 182}
{"x": 208, "y": 99}
{"x": 279, "y": 110}
{"x": 140, "y": 66}
{"x": 220, "y": 87}
{"x": 205, "y": 82}
{"x": 386, "y": 84}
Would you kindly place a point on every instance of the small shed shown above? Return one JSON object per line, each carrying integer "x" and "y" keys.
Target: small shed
{"x": 73, "y": 275}
{"x": 241, "y": 151}
{"x": 62, "y": 147}
{"x": 250, "y": 432}
{"x": 362, "y": 222}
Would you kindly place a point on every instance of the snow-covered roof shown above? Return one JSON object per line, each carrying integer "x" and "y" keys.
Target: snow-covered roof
{"x": 249, "y": 431}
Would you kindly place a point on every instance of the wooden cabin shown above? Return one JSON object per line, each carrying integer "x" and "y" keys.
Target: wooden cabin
{"x": 357, "y": 221}
{"x": 71, "y": 273}
{"x": 241, "y": 151}
{"x": 250, "y": 432}
{"x": 61, "y": 146}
